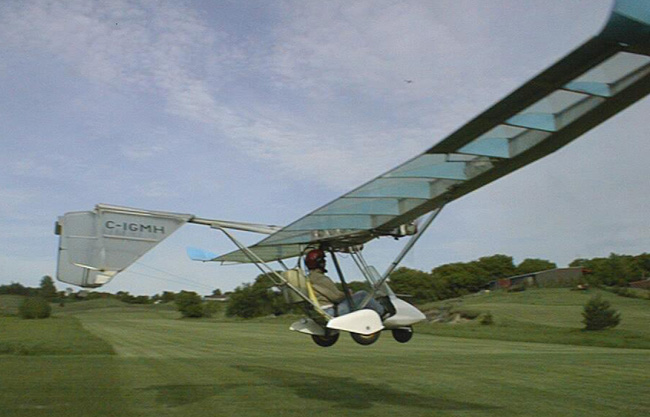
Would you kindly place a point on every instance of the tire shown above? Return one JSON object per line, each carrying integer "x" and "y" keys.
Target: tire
{"x": 365, "y": 339}
{"x": 325, "y": 341}
{"x": 402, "y": 335}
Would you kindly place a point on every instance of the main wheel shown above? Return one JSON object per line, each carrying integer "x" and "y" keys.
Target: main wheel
{"x": 403, "y": 335}
{"x": 325, "y": 341}
{"x": 365, "y": 339}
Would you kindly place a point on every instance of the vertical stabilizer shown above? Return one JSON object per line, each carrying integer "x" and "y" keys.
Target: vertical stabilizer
{"x": 96, "y": 245}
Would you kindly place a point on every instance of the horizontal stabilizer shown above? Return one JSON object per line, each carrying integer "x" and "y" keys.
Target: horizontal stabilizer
{"x": 197, "y": 254}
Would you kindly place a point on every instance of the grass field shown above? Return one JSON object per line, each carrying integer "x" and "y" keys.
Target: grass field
{"x": 164, "y": 366}
{"x": 9, "y": 304}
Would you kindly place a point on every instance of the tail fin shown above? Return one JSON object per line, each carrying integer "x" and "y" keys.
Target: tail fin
{"x": 96, "y": 245}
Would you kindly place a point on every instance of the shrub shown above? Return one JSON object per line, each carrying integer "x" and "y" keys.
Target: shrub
{"x": 34, "y": 308}
{"x": 487, "y": 319}
{"x": 212, "y": 308}
{"x": 469, "y": 314}
{"x": 249, "y": 301}
{"x": 189, "y": 304}
{"x": 257, "y": 300}
{"x": 599, "y": 315}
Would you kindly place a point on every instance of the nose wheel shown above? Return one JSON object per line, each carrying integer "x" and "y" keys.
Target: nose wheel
{"x": 365, "y": 339}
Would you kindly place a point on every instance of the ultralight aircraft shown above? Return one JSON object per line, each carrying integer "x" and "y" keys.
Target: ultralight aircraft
{"x": 603, "y": 76}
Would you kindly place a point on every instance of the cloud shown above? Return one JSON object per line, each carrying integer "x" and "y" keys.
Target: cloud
{"x": 366, "y": 46}
{"x": 29, "y": 167}
{"x": 158, "y": 189}
{"x": 141, "y": 151}
{"x": 322, "y": 54}
{"x": 11, "y": 199}
{"x": 126, "y": 45}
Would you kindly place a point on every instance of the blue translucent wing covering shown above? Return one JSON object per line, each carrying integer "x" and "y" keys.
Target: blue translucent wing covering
{"x": 599, "y": 79}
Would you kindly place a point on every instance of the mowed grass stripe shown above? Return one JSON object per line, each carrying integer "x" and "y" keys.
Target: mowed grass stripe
{"x": 182, "y": 338}
{"x": 141, "y": 338}
{"x": 188, "y": 338}
{"x": 53, "y": 336}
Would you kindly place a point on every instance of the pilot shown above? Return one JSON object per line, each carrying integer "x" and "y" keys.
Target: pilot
{"x": 329, "y": 297}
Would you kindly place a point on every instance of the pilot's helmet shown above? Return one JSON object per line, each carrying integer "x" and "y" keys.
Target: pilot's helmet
{"x": 315, "y": 259}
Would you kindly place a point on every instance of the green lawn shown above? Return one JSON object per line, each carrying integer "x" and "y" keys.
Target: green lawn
{"x": 9, "y": 304}
{"x": 164, "y": 366}
{"x": 53, "y": 336}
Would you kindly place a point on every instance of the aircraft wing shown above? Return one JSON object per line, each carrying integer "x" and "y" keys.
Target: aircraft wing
{"x": 600, "y": 78}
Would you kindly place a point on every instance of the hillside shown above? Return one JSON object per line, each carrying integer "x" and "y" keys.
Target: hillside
{"x": 541, "y": 315}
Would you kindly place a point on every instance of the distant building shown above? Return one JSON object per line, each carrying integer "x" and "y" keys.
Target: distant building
{"x": 550, "y": 278}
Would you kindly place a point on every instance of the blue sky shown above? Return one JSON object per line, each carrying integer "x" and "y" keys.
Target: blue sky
{"x": 263, "y": 111}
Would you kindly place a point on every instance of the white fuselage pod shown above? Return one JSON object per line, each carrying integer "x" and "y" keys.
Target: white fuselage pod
{"x": 405, "y": 314}
{"x": 365, "y": 321}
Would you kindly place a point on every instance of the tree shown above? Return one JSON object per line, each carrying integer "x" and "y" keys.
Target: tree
{"x": 615, "y": 269}
{"x": 47, "y": 288}
{"x": 16, "y": 289}
{"x": 167, "y": 297}
{"x": 530, "y": 265}
{"x": 189, "y": 304}
{"x": 355, "y": 286}
{"x": 599, "y": 315}
{"x": 257, "y": 299}
{"x": 140, "y": 299}
{"x": 643, "y": 263}
{"x": 415, "y": 283}
{"x": 497, "y": 266}
{"x": 461, "y": 278}
{"x": 249, "y": 301}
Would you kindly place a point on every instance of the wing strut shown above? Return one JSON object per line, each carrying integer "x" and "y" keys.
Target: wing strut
{"x": 269, "y": 271}
{"x": 407, "y": 248}
{"x": 346, "y": 289}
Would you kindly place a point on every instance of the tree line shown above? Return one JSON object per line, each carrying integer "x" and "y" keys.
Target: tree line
{"x": 451, "y": 280}
{"x": 260, "y": 298}
{"x": 457, "y": 279}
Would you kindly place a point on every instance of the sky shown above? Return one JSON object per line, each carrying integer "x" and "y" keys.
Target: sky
{"x": 263, "y": 111}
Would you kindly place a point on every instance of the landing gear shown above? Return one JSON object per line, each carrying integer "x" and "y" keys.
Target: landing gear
{"x": 365, "y": 339}
{"x": 326, "y": 340}
{"x": 403, "y": 334}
